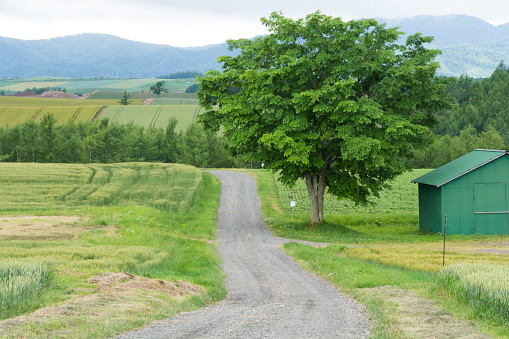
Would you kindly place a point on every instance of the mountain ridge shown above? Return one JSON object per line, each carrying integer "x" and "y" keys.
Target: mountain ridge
{"x": 469, "y": 45}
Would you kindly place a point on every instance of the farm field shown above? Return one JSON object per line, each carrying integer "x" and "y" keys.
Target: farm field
{"x": 103, "y": 249}
{"x": 153, "y": 115}
{"x": 50, "y": 102}
{"x": 91, "y": 85}
{"x": 15, "y": 115}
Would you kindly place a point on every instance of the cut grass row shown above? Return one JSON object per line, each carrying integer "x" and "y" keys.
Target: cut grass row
{"x": 150, "y": 220}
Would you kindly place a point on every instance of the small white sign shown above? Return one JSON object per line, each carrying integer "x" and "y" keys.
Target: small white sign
{"x": 292, "y": 203}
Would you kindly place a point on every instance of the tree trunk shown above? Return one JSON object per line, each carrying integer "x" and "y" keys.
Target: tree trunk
{"x": 316, "y": 188}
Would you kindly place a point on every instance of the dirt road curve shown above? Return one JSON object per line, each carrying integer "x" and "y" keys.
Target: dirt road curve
{"x": 269, "y": 295}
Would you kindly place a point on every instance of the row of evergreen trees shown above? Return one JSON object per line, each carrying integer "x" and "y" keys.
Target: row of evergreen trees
{"x": 103, "y": 142}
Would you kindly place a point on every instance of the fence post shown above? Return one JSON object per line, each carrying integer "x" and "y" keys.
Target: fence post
{"x": 443, "y": 256}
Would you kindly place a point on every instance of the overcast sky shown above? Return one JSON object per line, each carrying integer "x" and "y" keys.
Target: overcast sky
{"x": 203, "y": 22}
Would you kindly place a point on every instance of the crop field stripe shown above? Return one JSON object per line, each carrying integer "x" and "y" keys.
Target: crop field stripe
{"x": 3, "y": 109}
{"x": 77, "y": 113}
{"x": 158, "y": 112}
{"x": 36, "y": 114}
{"x": 117, "y": 114}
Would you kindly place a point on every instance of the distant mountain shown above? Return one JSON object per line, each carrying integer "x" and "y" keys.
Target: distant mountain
{"x": 469, "y": 45}
{"x": 90, "y": 55}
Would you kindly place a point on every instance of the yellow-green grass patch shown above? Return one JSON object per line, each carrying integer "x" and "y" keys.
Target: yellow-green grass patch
{"x": 428, "y": 257}
{"x": 17, "y": 115}
{"x": 9, "y": 101}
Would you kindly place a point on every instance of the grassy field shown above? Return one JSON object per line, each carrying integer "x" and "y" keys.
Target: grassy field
{"x": 6, "y": 101}
{"x": 126, "y": 243}
{"x": 91, "y": 85}
{"x": 379, "y": 256}
{"x": 16, "y": 115}
{"x": 153, "y": 115}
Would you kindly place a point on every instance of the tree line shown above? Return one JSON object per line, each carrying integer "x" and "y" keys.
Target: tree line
{"x": 180, "y": 75}
{"x": 105, "y": 142}
{"x": 479, "y": 118}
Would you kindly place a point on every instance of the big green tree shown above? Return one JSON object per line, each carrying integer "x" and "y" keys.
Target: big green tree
{"x": 340, "y": 104}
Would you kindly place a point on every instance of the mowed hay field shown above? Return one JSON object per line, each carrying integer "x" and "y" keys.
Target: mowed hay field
{"x": 153, "y": 115}
{"x": 116, "y": 246}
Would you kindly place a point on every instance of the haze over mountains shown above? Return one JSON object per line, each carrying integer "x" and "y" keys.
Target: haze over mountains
{"x": 469, "y": 45}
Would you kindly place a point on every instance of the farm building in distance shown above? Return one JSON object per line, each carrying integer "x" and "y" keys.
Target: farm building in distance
{"x": 472, "y": 191}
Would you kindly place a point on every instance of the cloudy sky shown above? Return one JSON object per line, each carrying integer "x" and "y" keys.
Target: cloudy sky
{"x": 203, "y": 22}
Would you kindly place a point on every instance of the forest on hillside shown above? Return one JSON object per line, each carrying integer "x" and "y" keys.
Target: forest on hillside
{"x": 479, "y": 118}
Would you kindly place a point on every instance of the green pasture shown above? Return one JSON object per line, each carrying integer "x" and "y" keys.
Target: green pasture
{"x": 47, "y": 186}
{"x": 153, "y": 115}
{"x": 140, "y": 95}
{"x": 401, "y": 197}
{"x": 51, "y": 102}
{"x": 16, "y": 115}
{"x": 92, "y": 85}
{"x": 176, "y": 101}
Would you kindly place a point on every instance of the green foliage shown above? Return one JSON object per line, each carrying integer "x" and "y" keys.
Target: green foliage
{"x": 125, "y": 99}
{"x": 20, "y": 286}
{"x": 193, "y": 88}
{"x": 158, "y": 88}
{"x": 478, "y": 119}
{"x": 106, "y": 142}
{"x": 44, "y": 89}
{"x": 339, "y": 104}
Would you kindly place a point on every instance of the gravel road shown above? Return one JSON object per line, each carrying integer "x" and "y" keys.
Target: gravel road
{"x": 269, "y": 295}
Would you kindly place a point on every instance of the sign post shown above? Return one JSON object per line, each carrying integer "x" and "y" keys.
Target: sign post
{"x": 292, "y": 205}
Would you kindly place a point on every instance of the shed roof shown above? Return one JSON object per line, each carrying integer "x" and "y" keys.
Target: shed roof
{"x": 459, "y": 167}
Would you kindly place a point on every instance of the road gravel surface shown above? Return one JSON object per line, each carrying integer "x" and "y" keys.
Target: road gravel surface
{"x": 269, "y": 295}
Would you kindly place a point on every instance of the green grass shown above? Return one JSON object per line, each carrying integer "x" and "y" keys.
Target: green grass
{"x": 20, "y": 286}
{"x": 483, "y": 287}
{"x": 153, "y": 115}
{"x": 175, "y": 101}
{"x": 400, "y": 197}
{"x": 168, "y": 187}
{"x": 6, "y": 101}
{"x": 123, "y": 227}
{"x": 16, "y": 115}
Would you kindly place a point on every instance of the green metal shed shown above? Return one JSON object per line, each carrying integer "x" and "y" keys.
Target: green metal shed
{"x": 472, "y": 191}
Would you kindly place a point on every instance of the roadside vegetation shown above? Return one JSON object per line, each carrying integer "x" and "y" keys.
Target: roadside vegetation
{"x": 97, "y": 250}
{"x": 378, "y": 255}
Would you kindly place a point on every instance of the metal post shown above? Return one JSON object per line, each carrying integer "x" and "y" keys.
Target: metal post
{"x": 443, "y": 256}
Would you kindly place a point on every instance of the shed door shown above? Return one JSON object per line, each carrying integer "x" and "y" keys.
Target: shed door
{"x": 490, "y": 208}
